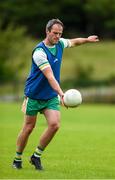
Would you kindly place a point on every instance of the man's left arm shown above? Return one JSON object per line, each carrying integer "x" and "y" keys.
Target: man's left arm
{"x": 79, "y": 41}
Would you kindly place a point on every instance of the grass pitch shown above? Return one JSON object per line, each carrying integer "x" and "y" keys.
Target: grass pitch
{"x": 83, "y": 148}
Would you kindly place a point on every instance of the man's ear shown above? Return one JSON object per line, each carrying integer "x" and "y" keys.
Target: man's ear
{"x": 47, "y": 31}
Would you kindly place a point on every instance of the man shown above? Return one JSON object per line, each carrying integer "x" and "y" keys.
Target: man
{"x": 42, "y": 89}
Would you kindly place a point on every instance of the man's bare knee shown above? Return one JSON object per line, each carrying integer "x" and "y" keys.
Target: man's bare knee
{"x": 54, "y": 126}
{"x": 29, "y": 124}
{"x": 30, "y": 129}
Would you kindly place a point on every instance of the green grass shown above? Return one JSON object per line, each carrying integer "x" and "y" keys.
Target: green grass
{"x": 100, "y": 56}
{"x": 83, "y": 148}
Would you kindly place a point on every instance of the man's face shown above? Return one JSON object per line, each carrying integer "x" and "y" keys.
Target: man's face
{"x": 54, "y": 35}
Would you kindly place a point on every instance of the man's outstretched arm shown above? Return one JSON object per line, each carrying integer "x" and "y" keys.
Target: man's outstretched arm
{"x": 79, "y": 41}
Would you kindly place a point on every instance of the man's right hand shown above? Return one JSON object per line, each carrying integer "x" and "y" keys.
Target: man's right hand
{"x": 62, "y": 101}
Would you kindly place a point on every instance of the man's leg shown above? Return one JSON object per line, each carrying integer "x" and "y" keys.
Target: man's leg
{"x": 53, "y": 121}
{"x": 22, "y": 139}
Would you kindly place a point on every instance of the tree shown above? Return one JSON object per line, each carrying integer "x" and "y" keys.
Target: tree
{"x": 14, "y": 53}
{"x": 100, "y": 15}
{"x": 79, "y": 16}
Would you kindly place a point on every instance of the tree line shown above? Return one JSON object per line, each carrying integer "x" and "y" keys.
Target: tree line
{"x": 79, "y": 16}
{"x": 21, "y": 20}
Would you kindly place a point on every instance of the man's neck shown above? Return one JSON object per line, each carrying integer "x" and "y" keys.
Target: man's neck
{"x": 47, "y": 43}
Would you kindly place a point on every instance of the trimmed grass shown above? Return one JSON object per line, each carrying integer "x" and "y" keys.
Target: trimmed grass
{"x": 83, "y": 147}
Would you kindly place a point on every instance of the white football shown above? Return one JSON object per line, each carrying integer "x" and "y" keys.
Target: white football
{"x": 72, "y": 98}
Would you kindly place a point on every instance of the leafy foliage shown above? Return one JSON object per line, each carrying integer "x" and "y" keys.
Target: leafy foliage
{"x": 79, "y": 16}
{"x": 13, "y": 46}
{"x": 100, "y": 17}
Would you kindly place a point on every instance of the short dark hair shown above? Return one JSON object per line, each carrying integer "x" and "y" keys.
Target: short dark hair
{"x": 52, "y": 22}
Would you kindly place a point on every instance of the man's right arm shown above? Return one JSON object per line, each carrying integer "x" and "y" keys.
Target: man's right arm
{"x": 48, "y": 73}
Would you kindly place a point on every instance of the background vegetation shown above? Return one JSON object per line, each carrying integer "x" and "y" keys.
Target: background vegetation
{"x": 22, "y": 26}
{"x": 79, "y": 16}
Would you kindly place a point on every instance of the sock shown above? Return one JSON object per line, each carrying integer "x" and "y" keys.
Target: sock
{"x": 18, "y": 156}
{"x": 38, "y": 152}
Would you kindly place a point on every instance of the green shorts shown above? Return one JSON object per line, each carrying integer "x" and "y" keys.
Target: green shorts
{"x": 32, "y": 107}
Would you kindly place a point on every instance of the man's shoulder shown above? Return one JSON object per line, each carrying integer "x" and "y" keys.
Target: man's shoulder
{"x": 39, "y": 49}
{"x": 64, "y": 42}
